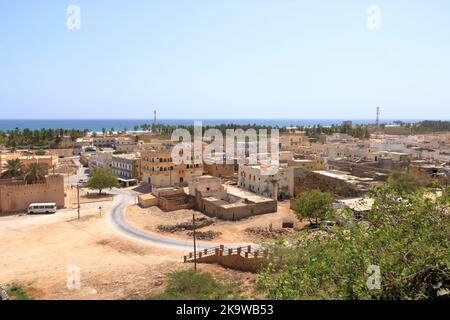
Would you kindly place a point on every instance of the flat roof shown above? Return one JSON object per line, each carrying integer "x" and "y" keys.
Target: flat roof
{"x": 126, "y": 180}
{"x": 147, "y": 196}
{"x": 244, "y": 194}
{"x": 130, "y": 156}
{"x": 358, "y": 204}
{"x": 342, "y": 175}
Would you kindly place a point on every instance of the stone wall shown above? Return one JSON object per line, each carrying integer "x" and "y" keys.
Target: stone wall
{"x": 176, "y": 202}
{"x": 17, "y": 198}
{"x": 311, "y": 180}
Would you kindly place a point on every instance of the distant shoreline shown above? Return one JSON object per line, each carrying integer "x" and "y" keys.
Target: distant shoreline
{"x": 122, "y": 124}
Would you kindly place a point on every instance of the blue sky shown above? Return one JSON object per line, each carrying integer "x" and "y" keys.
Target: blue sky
{"x": 224, "y": 59}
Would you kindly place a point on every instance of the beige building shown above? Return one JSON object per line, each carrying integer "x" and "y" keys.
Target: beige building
{"x": 214, "y": 200}
{"x": 159, "y": 170}
{"x": 104, "y": 141}
{"x": 101, "y": 159}
{"x": 125, "y": 144}
{"x": 47, "y": 162}
{"x": 315, "y": 163}
{"x": 293, "y": 141}
{"x": 207, "y": 186}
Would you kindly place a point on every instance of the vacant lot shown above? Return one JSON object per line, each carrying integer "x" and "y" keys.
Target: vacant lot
{"x": 231, "y": 231}
{"x": 37, "y": 250}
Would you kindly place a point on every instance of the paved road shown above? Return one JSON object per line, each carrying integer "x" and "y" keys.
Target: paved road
{"x": 81, "y": 173}
{"x": 119, "y": 222}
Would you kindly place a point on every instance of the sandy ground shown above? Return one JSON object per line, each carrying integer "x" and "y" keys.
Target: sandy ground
{"x": 231, "y": 231}
{"x": 37, "y": 250}
{"x": 71, "y": 199}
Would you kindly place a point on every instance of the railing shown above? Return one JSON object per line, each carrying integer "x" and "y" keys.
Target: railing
{"x": 245, "y": 252}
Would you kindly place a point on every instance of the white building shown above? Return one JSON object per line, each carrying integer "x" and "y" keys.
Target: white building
{"x": 276, "y": 183}
{"x": 101, "y": 159}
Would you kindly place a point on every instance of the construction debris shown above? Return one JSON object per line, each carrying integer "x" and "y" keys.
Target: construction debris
{"x": 268, "y": 233}
{"x": 204, "y": 235}
{"x": 199, "y": 223}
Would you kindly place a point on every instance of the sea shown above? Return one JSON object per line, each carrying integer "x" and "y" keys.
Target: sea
{"x": 129, "y": 124}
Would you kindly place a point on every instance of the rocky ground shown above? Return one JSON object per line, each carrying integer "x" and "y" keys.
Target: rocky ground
{"x": 176, "y": 223}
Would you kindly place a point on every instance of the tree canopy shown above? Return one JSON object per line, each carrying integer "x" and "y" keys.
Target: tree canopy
{"x": 102, "y": 178}
{"x": 313, "y": 204}
{"x": 13, "y": 168}
{"x": 405, "y": 182}
{"x": 401, "y": 251}
{"x": 34, "y": 173}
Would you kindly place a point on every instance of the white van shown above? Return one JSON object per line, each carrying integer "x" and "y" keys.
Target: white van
{"x": 42, "y": 208}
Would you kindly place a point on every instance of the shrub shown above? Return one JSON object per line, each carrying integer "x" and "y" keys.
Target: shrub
{"x": 406, "y": 236}
{"x": 191, "y": 285}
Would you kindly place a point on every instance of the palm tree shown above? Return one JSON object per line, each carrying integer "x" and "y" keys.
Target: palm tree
{"x": 13, "y": 168}
{"x": 34, "y": 173}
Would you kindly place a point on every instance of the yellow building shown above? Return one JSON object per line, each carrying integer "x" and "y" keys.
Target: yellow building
{"x": 159, "y": 170}
{"x": 48, "y": 162}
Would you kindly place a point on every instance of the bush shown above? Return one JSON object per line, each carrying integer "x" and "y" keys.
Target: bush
{"x": 403, "y": 182}
{"x": 102, "y": 179}
{"x": 191, "y": 285}
{"x": 17, "y": 292}
{"x": 314, "y": 204}
{"x": 406, "y": 236}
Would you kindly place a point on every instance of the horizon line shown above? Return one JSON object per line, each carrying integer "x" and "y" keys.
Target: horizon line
{"x": 293, "y": 119}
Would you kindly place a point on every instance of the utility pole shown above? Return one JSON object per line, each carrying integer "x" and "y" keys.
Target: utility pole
{"x": 195, "y": 250}
{"x": 78, "y": 196}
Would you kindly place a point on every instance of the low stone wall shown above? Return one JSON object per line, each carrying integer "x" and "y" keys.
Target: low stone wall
{"x": 176, "y": 202}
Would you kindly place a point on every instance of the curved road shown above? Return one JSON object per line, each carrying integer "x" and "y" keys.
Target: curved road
{"x": 118, "y": 220}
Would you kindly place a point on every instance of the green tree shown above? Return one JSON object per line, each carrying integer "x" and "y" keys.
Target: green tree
{"x": 13, "y": 168}
{"x": 34, "y": 173}
{"x": 314, "y": 204}
{"x": 405, "y": 237}
{"x": 102, "y": 178}
{"x": 404, "y": 182}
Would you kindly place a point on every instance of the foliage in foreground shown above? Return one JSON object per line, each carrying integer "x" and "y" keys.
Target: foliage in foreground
{"x": 191, "y": 285}
{"x": 403, "y": 182}
{"x": 17, "y": 292}
{"x": 406, "y": 235}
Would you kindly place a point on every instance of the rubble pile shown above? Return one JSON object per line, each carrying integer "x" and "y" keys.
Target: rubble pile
{"x": 199, "y": 223}
{"x": 204, "y": 235}
{"x": 270, "y": 233}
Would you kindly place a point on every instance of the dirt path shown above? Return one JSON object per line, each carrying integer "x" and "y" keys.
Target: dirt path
{"x": 37, "y": 251}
